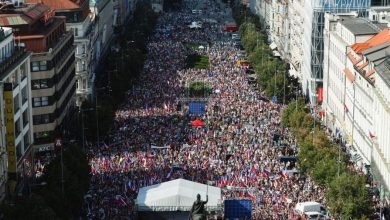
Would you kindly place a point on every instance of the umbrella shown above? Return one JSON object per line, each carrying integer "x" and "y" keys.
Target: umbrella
{"x": 197, "y": 123}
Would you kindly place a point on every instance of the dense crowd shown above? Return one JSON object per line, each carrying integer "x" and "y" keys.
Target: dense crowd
{"x": 152, "y": 140}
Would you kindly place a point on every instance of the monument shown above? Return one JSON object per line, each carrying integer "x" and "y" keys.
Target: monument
{"x": 197, "y": 211}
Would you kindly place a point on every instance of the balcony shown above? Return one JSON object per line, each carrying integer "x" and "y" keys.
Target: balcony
{"x": 13, "y": 61}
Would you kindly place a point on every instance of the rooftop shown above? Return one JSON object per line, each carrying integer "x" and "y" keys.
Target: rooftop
{"x": 377, "y": 53}
{"x": 383, "y": 70}
{"x": 378, "y": 39}
{"x": 59, "y": 4}
{"x": 359, "y": 26}
{"x": 13, "y": 61}
{"x": 380, "y": 8}
{"x": 5, "y": 32}
{"x": 21, "y": 16}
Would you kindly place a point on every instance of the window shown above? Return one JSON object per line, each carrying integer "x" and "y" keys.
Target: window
{"x": 44, "y": 84}
{"x": 25, "y": 117}
{"x": 17, "y": 127}
{"x": 24, "y": 94}
{"x": 36, "y": 84}
{"x": 26, "y": 139}
{"x": 41, "y": 101}
{"x": 18, "y": 151}
{"x": 23, "y": 72}
{"x": 39, "y": 66}
{"x": 40, "y": 84}
{"x": 35, "y": 66}
{"x": 43, "y": 65}
{"x": 76, "y": 31}
{"x": 16, "y": 103}
{"x": 41, "y": 119}
{"x": 84, "y": 84}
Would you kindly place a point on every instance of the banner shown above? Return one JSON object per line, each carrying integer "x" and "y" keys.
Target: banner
{"x": 10, "y": 129}
{"x": 158, "y": 147}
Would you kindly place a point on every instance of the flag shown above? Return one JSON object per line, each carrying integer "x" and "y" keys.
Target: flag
{"x": 371, "y": 135}
{"x": 169, "y": 174}
{"x": 284, "y": 174}
{"x": 345, "y": 108}
{"x": 120, "y": 200}
{"x": 205, "y": 164}
{"x": 248, "y": 195}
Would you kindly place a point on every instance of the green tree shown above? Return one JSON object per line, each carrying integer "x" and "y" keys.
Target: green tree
{"x": 76, "y": 177}
{"x": 325, "y": 171}
{"x": 32, "y": 207}
{"x": 348, "y": 198}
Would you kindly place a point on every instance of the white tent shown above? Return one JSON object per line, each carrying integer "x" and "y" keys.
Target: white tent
{"x": 176, "y": 195}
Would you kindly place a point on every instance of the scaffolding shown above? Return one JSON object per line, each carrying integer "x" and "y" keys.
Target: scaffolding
{"x": 317, "y": 14}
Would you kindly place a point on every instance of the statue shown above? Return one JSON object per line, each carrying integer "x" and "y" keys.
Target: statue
{"x": 198, "y": 211}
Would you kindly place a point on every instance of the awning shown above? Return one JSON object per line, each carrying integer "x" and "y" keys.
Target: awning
{"x": 273, "y": 46}
{"x": 276, "y": 53}
{"x": 197, "y": 123}
{"x": 177, "y": 195}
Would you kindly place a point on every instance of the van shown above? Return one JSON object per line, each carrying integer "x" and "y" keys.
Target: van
{"x": 305, "y": 208}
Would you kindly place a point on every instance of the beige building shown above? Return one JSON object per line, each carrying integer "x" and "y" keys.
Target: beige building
{"x": 52, "y": 66}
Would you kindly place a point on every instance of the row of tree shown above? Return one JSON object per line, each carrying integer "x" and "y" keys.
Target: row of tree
{"x": 62, "y": 195}
{"x": 271, "y": 71}
{"x": 346, "y": 194}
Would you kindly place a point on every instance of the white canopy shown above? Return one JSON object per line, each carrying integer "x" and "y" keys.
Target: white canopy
{"x": 176, "y": 195}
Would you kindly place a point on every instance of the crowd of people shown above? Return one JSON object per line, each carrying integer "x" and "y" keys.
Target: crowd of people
{"x": 152, "y": 140}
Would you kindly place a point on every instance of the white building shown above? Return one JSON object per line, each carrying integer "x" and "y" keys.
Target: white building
{"x": 16, "y": 128}
{"x": 295, "y": 15}
{"x": 102, "y": 32}
{"x": 356, "y": 88}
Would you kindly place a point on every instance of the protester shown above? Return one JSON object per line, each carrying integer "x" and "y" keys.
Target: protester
{"x": 152, "y": 140}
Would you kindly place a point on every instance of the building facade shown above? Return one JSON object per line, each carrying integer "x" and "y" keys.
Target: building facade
{"x": 356, "y": 86}
{"x": 16, "y": 129}
{"x": 102, "y": 33}
{"x": 296, "y": 27}
{"x": 79, "y": 21}
{"x": 295, "y": 15}
{"x": 52, "y": 66}
{"x": 313, "y": 43}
